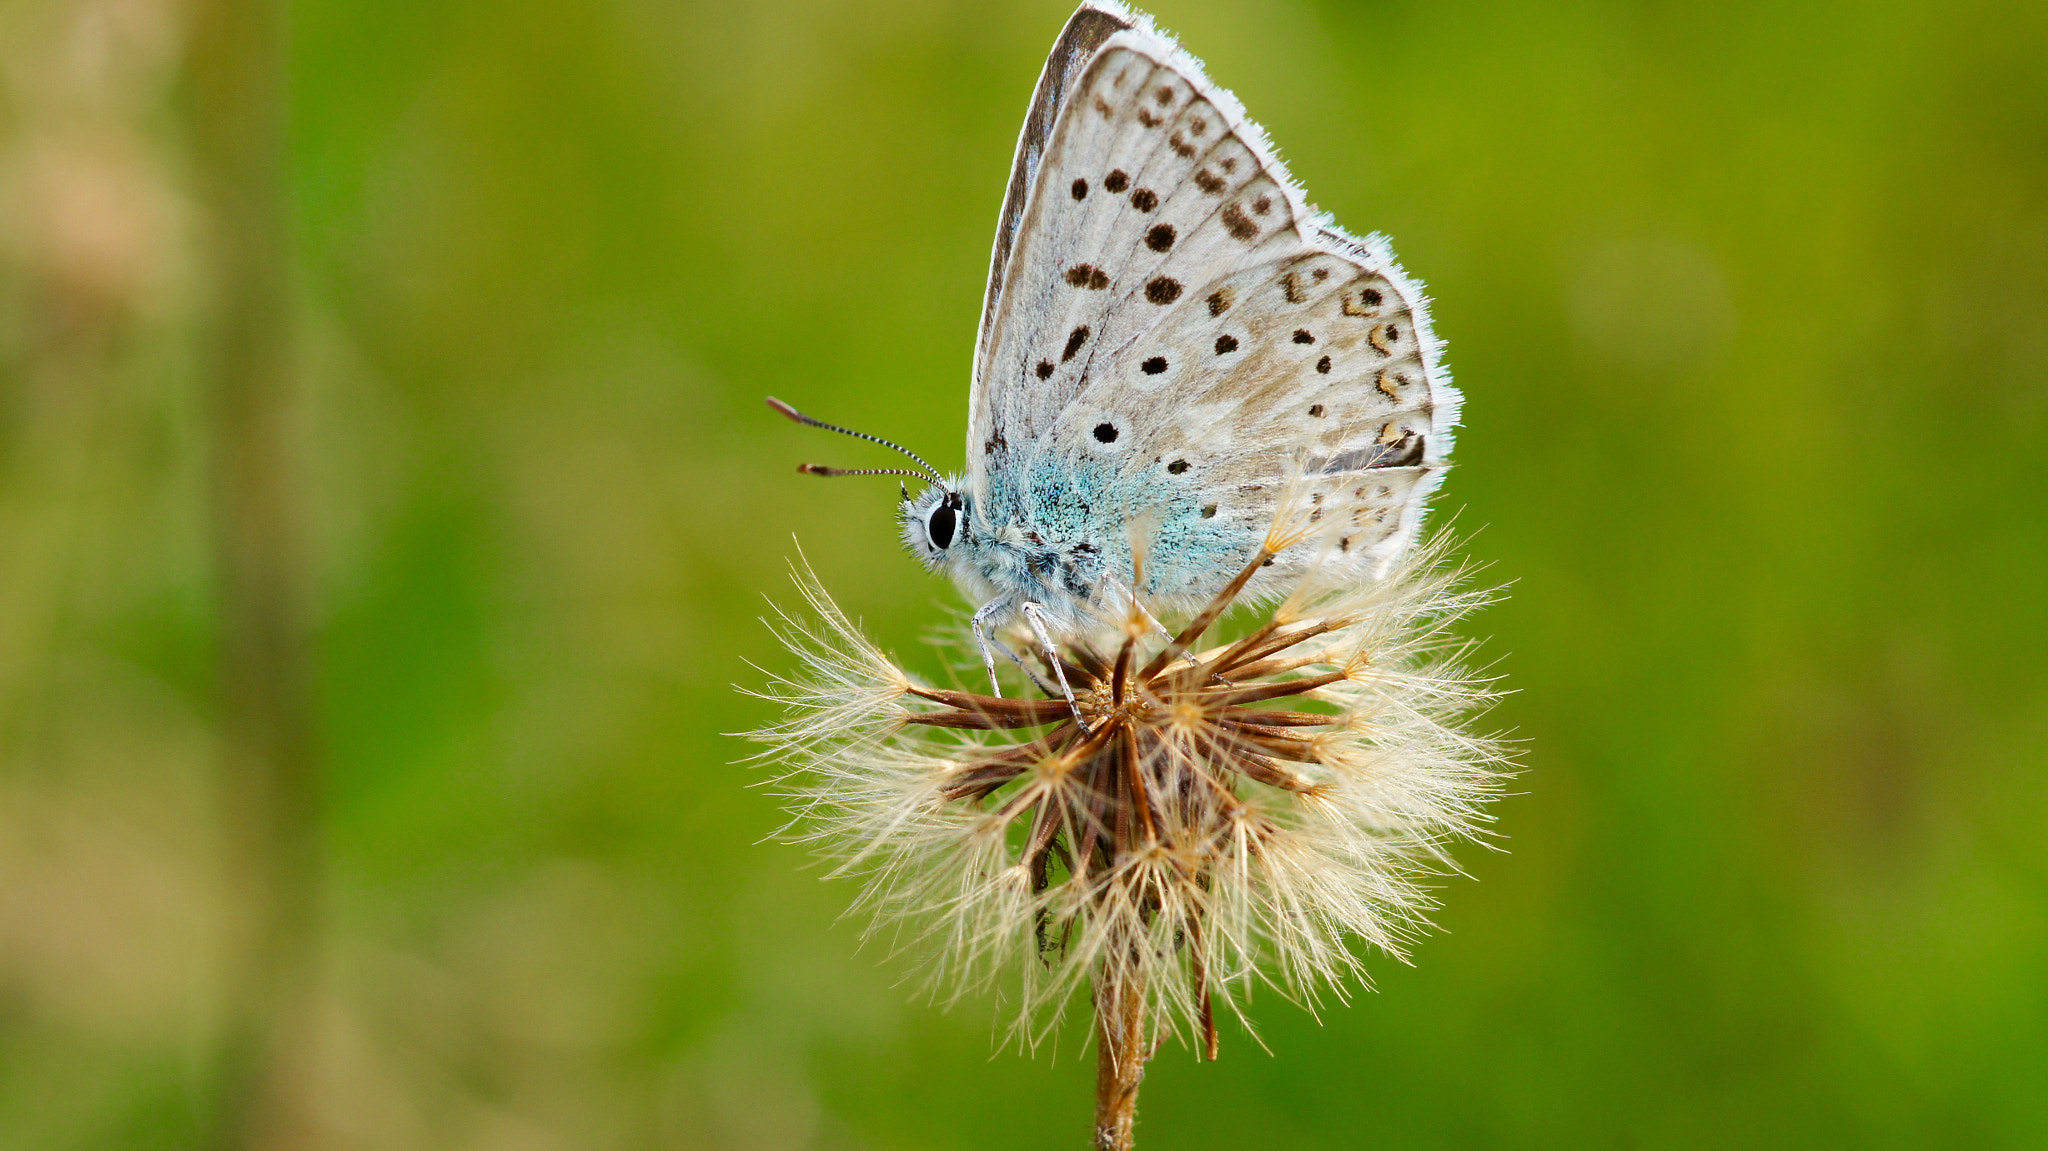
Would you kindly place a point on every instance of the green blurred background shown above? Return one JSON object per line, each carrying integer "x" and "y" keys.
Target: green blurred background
{"x": 1750, "y": 304}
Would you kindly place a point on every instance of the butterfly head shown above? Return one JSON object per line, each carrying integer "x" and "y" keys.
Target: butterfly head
{"x": 933, "y": 522}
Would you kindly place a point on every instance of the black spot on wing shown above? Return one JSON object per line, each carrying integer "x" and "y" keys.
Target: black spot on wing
{"x": 1087, "y": 276}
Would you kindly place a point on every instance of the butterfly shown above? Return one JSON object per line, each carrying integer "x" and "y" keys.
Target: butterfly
{"x": 1171, "y": 339}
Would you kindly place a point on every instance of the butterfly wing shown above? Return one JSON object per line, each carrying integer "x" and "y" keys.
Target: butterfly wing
{"x": 1085, "y": 31}
{"x": 1166, "y": 306}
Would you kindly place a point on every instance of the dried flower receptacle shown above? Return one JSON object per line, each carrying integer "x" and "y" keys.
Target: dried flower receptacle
{"x": 1185, "y": 834}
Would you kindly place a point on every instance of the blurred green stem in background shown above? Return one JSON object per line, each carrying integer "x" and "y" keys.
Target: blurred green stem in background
{"x": 270, "y": 763}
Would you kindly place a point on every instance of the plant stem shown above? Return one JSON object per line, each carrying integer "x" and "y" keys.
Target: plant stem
{"x": 269, "y": 779}
{"x": 1119, "y": 1051}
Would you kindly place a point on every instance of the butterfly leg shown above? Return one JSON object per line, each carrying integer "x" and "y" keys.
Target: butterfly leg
{"x": 982, "y": 624}
{"x": 1010, "y": 653}
{"x": 990, "y": 644}
{"x": 1035, "y": 616}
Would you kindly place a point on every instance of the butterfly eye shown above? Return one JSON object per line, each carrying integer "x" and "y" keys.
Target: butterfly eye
{"x": 940, "y": 526}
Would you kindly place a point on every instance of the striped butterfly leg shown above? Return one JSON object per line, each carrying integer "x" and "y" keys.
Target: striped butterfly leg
{"x": 1034, "y": 615}
{"x": 990, "y": 643}
{"x": 983, "y": 624}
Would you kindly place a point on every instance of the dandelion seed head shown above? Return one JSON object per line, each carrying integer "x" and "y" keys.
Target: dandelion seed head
{"x": 1228, "y": 816}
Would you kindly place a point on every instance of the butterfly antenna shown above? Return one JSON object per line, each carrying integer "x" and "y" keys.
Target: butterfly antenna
{"x": 929, "y": 473}
{"x": 822, "y": 470}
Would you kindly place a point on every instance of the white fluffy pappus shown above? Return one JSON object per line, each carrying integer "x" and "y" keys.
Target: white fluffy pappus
{"x": 1186, "y": 841}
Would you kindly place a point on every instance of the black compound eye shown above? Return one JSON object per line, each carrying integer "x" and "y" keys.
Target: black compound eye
{"x": 940, "y": 526}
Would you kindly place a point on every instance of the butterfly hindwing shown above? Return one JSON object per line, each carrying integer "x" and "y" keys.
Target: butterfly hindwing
{"x": 1309, "y": 363}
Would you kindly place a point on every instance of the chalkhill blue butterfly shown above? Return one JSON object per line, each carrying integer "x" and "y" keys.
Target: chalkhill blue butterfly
{"x": 1172, "y": 339}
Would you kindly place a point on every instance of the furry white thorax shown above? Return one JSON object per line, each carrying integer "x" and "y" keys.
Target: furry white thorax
{"x": 1003, "y": 566}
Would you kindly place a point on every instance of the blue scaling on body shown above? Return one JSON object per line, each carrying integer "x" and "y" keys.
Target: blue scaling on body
{"x": 1058, "y": 537}
{"x": 1054, "y": 547}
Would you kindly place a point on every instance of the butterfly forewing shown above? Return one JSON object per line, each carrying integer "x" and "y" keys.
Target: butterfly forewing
{"x": 1084, "y": 33}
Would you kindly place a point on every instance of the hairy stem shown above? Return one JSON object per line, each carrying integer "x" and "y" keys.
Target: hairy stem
{"x": 1119, "y": 1051}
